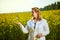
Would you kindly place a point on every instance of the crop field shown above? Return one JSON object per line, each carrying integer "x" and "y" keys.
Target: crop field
{"x": 10, "y": 31}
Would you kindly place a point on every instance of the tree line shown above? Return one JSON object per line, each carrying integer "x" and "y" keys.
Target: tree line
{"x": 53, "y": 6}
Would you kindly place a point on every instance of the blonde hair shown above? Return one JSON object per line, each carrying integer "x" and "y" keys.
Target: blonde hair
{"x": 37, "y": 10}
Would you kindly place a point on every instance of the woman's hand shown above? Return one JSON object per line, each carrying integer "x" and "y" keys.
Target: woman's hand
{"x": 39, "y": 35}
{"x": 17, "y": 22}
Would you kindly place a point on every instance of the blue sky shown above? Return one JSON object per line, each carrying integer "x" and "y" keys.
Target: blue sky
{"x": 7, "y": 6}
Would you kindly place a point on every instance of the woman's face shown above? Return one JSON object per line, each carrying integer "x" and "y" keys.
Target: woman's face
{"x": 34, "y": 14}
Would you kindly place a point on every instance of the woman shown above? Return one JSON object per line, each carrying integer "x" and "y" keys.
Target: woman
{"x": 37, "y": 27}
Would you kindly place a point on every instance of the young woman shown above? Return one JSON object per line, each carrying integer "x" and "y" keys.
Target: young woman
{"x": 37, "y": 27}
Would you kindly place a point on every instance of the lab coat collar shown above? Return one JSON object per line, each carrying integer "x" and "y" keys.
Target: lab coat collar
{"x": 37, "y": 21}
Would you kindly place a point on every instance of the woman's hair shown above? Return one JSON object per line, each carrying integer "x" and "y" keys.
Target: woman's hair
{"x": 37, "y": 10}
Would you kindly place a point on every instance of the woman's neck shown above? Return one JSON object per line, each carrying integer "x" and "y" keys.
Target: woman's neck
{"x": 35, "y": 20}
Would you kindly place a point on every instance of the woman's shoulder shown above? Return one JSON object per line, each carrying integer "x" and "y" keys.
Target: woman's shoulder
{"x": 44, "y": 20}
{"x": 28, "y": 22}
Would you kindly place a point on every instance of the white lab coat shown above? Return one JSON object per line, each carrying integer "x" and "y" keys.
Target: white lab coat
{"x": 41, "y": 27}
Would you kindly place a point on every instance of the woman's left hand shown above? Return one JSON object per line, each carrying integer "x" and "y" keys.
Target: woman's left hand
{"x": 39, "y": 35}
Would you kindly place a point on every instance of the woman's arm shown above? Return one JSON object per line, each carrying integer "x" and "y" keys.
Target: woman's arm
{"x": 46, "y": 29}
{"x": 24, "y": 29}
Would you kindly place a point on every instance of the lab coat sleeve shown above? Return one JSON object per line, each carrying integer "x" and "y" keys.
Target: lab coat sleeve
{"x": 24, "y": 29}
{"x": 46, "y": 29}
